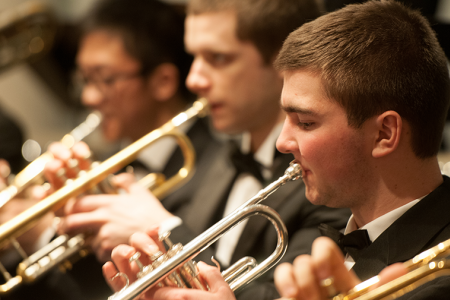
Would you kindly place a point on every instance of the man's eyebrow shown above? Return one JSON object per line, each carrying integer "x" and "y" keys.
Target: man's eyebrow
{"x": 297, "y": 110}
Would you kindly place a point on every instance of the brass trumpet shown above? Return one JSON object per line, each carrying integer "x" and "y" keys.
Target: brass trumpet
{"x": 57, "y": 252}
{"x": 424, "y": 267}
{"x": 176, "y": 267}
{"x": 32, "y": 173}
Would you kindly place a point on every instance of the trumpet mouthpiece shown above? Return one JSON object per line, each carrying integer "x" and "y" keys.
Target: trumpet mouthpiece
{"x": 294, "y": 171}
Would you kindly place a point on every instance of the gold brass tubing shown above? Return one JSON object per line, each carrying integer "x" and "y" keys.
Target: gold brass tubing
{"x": 422, "y": 268}
{"x": 21, "y": 222}
{"x": 34, "y": 170}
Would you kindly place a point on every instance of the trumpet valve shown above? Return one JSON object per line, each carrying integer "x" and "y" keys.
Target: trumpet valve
{"x": 165, "y": 238}
{"x": 190, "y": 272}
{"x": 142, "y": 269}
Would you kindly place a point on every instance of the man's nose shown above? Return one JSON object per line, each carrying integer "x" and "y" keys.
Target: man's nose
{"x": 91, "y": 95}
{"x": 285, "y": 142}
{"x": 197, "y": 80}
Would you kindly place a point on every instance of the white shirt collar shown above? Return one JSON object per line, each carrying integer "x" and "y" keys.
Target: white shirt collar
{"x": 380, "y": 224}
{"x": 266, "y": 151}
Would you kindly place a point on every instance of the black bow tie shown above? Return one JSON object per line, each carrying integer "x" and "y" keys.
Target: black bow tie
{"x": 245, "y": 163}
{"x": 350, "y": 243}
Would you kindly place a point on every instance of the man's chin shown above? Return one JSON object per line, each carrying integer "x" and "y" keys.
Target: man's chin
{"x": 111, "y": 132}
{"x": 111, "y": 136}
{"x": 314, "y": 198}
{"x": 226, "y": 128}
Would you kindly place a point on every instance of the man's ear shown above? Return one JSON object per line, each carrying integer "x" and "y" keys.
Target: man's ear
{"x": 164, "y": 82}
{"x": 389, "y": 128}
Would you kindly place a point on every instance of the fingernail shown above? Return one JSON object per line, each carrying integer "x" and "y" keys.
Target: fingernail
{"x": 86, "y": 155}
{"x": 151, "y": 249}
{"x": 72, "y": 163}
{"x": 323, "y": 273}
{"x": 60, "y": 173}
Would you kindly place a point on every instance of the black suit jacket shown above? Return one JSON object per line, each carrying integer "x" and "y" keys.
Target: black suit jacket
{"x": 423, "y": 226}
{"x": 258, "y": 238}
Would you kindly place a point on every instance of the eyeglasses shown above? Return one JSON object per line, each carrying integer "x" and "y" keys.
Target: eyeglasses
{"x": 104, "y": 83}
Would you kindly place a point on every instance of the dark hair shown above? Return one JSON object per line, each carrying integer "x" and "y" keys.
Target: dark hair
{"x": 152, "y": 32}
{"x": 265, "y": 23}
{"x": 375, "y": 57}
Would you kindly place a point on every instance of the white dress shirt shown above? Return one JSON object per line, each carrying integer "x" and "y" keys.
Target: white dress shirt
{"x": 245, "y": 187}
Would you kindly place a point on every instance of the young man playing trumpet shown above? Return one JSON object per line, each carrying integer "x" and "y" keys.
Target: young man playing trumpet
{"x": 234, "y": 46}
{"x": 366, "y": 94}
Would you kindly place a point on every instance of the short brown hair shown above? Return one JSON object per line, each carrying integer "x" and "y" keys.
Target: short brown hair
{"x": 265, "y": 23}
{"x": 375, "y": 57}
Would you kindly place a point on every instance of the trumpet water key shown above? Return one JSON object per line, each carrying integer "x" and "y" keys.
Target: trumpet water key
{"x": 176, "y": 268}
{"x": 59, "y": 250}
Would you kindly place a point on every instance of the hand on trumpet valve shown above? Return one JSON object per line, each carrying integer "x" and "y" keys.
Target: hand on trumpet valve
{"x": 145, "y": 250}
{"x": 67, "y": 163}
{"x": 323, "y": 275}
{"x": 109, "y": 219}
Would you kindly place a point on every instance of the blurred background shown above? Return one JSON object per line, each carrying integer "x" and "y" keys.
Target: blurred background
{"x": 37, "y": 90}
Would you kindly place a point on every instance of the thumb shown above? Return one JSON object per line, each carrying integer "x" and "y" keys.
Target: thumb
{"x": 212, "y": 276}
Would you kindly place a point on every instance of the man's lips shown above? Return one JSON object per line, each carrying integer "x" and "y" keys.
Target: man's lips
{"x": 305, "y": 171}
{"x": 215, "y": 106}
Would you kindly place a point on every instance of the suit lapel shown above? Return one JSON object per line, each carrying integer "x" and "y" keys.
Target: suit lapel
{"x": 254, "y": 226}
{"x": 411, "y": 234}
{"x": 206, "y": 200}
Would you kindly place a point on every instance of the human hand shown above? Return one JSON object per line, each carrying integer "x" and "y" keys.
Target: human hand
{"x": 66, "y": 163}
{"x": 145, "y": 243}
{"x": 110, "y": 220}
{"x": 302, "y": 280}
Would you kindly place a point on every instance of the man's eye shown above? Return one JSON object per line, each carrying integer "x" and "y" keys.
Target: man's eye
{"x": 305, "y": 125}
{"x": 108, "y": 80}
{"x": 218, "y": 59}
